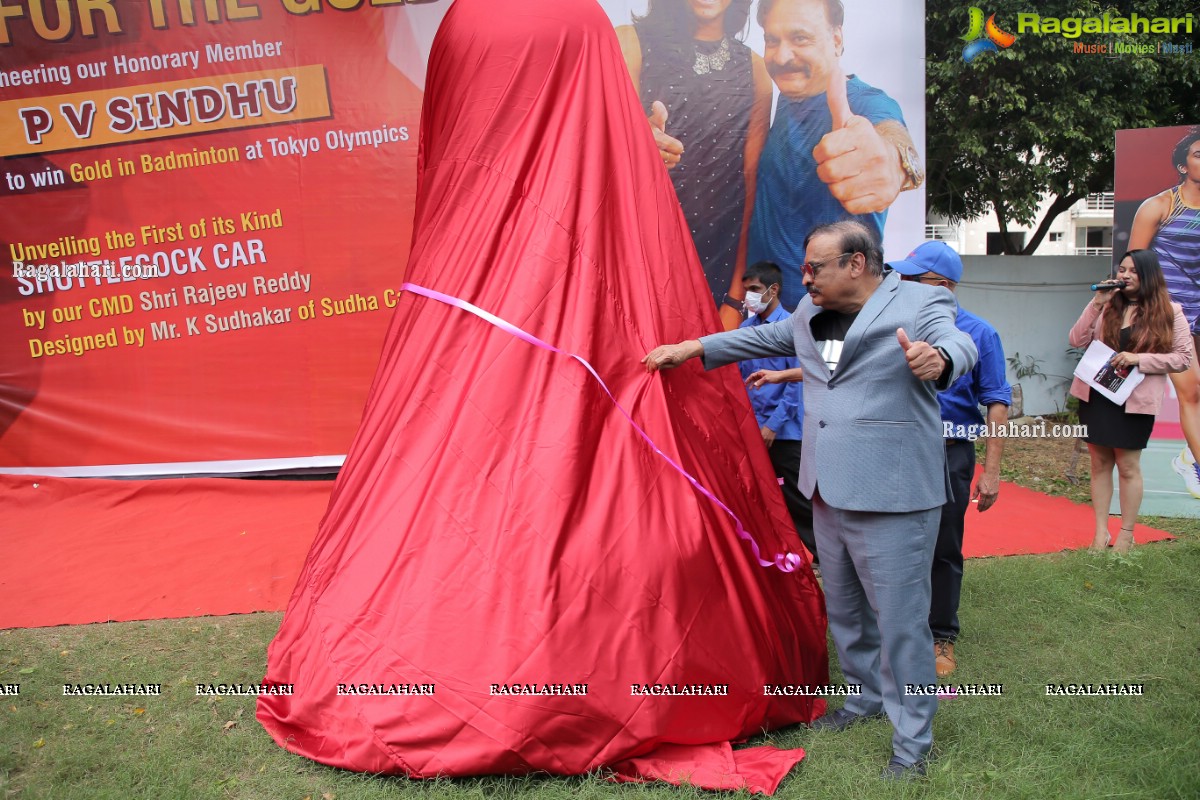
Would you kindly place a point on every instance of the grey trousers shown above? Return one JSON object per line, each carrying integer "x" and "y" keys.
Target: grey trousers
{"x": 876, "y": 569}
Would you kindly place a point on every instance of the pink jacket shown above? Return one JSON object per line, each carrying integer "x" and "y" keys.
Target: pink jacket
{"x": 1147, "y": 397}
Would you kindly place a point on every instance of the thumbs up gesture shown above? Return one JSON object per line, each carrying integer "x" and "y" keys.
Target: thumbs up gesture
{"x": 861, "y": 168}
{"x": 839, "y": 102}
{"x": 670, "y": 148}
{"x": 924, "y": 361}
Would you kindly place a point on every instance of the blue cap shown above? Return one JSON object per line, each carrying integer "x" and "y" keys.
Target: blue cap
{"x": 934, "y": 256}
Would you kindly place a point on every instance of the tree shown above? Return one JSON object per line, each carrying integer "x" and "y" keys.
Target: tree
{"x": 1037, "y": 119}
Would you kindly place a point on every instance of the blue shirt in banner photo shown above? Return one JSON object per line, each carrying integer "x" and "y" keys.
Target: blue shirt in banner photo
{"x": 791, "y": 199}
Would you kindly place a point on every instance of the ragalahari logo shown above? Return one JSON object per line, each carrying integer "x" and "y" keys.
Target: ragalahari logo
{"x": 984, "y": 37}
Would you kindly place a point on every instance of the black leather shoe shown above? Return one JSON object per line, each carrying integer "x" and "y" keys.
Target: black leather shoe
{"x": 840, "y": 720}
{"x": 897, "y": 770}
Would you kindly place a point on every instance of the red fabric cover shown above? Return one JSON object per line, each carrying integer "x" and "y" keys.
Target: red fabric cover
{"x": 712, "y": 766}
{"x": 497, "y": 519}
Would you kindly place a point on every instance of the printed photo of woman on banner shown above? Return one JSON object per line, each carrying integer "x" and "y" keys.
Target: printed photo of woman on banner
{"x": 1157, "y": 206}
{"x": 708, "y": 99}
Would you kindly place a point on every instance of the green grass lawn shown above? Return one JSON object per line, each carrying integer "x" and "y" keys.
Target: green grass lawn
{"x": 1027, "y": 621}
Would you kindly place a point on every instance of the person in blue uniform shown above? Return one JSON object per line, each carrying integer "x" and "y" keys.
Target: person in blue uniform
{"x": 936, "y": 264}
{"x": 778, "y": 406}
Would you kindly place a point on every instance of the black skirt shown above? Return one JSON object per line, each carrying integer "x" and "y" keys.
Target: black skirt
{"x": 1108, "y": 424}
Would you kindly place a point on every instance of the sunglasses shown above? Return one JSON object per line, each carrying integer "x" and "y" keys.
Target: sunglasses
{"x": 811, "y": 268}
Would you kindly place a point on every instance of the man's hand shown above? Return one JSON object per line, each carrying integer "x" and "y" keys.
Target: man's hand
{"x": 988, "y": 487}
{"x": 768, "y": 435}
{"x": 668, "y": 356}
{"x": 924, "y": 361}
{"x": 986, "y": 490}
{"x": 670, "y": 148}
{"x": 860, "y": 167}
{"x": 762, "y": 377}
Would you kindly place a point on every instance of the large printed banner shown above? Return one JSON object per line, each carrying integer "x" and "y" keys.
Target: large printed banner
{"x": 1156, "y": 193}
{"x": 205, "y": 211}
{"x": 206, "y": 205}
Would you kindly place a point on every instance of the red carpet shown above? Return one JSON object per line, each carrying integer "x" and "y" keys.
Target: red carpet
{"x": 81, "y": 550}
{"x": 1024, "y": 522}
{"x": 85, "y": 550}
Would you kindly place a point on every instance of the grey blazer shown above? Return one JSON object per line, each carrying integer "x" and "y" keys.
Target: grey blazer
{"x": 872, "y": 431}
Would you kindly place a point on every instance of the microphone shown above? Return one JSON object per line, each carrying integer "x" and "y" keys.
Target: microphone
{"x": 1106, "y": 287}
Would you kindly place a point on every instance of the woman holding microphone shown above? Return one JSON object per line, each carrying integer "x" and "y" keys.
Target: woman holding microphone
{"x": 1134, "y": 315}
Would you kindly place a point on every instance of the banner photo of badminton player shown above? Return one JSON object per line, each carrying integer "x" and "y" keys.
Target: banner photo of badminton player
{"x": 1156, "y": 205}
{"x": 205, "y": 209}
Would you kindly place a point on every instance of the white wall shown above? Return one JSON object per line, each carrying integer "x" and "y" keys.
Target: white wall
{"x": 1033, "y": 301}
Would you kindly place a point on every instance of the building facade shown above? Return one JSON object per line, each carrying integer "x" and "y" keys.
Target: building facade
{"x": 1085, "y": 230}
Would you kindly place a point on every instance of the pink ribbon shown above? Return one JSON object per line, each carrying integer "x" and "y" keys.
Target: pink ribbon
{"x": 785, "y": 562}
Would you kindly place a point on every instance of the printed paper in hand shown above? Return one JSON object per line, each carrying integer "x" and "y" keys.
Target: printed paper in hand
{"x": 1095, "y": 370}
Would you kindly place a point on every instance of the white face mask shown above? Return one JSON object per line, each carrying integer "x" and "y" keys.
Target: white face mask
{"x": 754, "y": 303}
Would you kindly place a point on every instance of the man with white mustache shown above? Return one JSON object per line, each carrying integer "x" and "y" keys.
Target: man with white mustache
{"x": 838, "y": 147}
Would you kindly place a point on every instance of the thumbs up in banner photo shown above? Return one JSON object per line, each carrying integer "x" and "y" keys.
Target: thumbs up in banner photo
{"x": 864, "y": 165}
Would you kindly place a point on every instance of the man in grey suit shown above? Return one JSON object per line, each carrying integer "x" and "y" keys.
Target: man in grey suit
{"x": 874, "y": 351}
